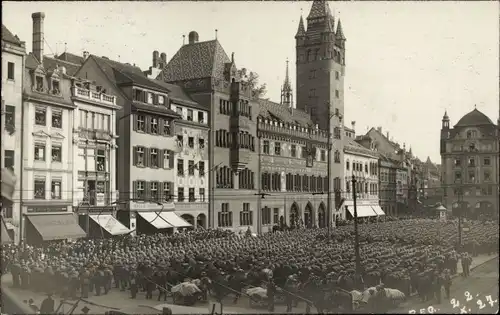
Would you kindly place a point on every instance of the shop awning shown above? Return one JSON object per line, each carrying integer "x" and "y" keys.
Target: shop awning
{"x": 5, "y": 235}
{"x": 156, "y": 219}
{"x": 378, "y": 210}
{"x": 57, "y": 226}
{"x": 175, "y": 220}
{"x": 363, "y": 211}
{"x": 109, "y": 223}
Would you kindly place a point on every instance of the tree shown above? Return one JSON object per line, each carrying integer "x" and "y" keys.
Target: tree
{"x": 252, "y": 79}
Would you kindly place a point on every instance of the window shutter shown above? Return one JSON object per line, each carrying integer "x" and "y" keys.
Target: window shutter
{"x": 219, "y": 219}
{"x": 160, "y": 158}
{"x": 146, "y": 157}
{"x": 230, "y": 218}
{"x": 160, "y": 191}
{"x": 171, "y": 157}
{"x": 135, "y": 122}
{"x": 241, "y": 217}
{"x": 147, "y": 190}
{"x": 155, "y": 99}
{"x": 134, "y": 189}
{"x": 134, "y": 155}
{"x": 251, "y": 217}
{"x": 172, "y": 191}
{"x": 148, "y": 124}
{"x": 160, "y": 126}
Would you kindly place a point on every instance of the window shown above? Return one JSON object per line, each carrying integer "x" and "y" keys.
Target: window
{"x": 201, "y": 143}
{"x": 336, "y": 133}
{"x": 246, "y": 215}
{"x": 55, "y": 87}
{"x": 472, "y": 147}
{"x": 366, "y": 168}
{"x": 178, "y": 110}
{"x": 180, "y": 167}
{"x": 225, "y": 218}
{"x": 312, "y": 74}
{"x": 10, "y": 70}
{"x": 486, "y": 161}
{"x": 266, "y": 147}
{"x": 202, "y": 194}
{"x": 153, "y": 191}
{"x": 39, "y": 191}
{"x": 154, "y": 125}
{"x": 154, "y": 159}
{"x": 201, "y": 168}
{"x": 337, "y": 75}
{"x": 166, "y": 159}
{"x": 191, "y": 142}
{"x": 190, "y": 115}
{"x": 55, "y": 189}
{"x": 141, "y": 123}
{"x": 323, "y": 155}
{"x": 39, "y": 152}
{"x": 40, "y": 116}
{"x": 201, "y": 117}
{"x": 140, "y": 192}
{"x": 458, "y": 161}
{"x": 180, "y": 141}
{"x": 277, "y": 148}
{"x": 39, "y": 83}
{"x": 139, "y": 156}
{"x": 7, "y": 212}
{"x": 337, "y": 93}
{"x": 487, "y": 176}
{"x": 8, "y": 159}
{"x": 56, "y": 153}
{"x": 337, "y": 156}
{"x": 472, "y": 176}
{"x": 56, "y": 119}
{"x": 150, "y": 98}
{"x": 180, "y": 194}
{"x": 472, "y": 162}
{"x": 166, "y": 127}
{"x": 276, "y": 214}
{"x": 10, "y": 116}
{"x": 347, "y": 165}
{"x": 293, "y": 150}
{"x": 191, "y": 167}
{"x": 266, "y": 216}
{"x": 167, "y": 191}
{"x": 161, "y": 99}
{"x": 191, "y": 195}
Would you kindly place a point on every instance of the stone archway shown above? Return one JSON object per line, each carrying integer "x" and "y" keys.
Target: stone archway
{"x": 309, "y": 216}
{"x": 189, "y": 218}
{"x": 294, "y": 215}
{"x": 201, "y": 220}
{"x": 322, "y": 217}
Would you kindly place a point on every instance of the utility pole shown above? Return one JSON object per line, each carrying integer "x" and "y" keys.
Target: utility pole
{"x": 329, "y": 172}
{"x": 356, "y": 236}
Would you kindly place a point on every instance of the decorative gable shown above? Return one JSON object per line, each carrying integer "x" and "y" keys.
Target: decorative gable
{"x": 57, "y": 135}
{"x": 41, "y": 134}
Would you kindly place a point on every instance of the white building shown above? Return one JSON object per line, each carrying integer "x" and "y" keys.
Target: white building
{"x": 94, "y": 151}
{"x": 13, "y": 54}
{"x": 363, "y": 164}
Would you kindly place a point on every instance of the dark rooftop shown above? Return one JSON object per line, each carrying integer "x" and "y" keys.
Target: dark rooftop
{"x": 474, "y": 118}
{"x": 9, "y": 37}
{"x": 272, "y": 110}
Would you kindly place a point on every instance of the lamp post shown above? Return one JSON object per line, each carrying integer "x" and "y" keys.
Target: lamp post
{"x": 356, "y": 236}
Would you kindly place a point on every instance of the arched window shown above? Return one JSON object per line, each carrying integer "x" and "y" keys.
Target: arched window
{"x": 347, "y": 165}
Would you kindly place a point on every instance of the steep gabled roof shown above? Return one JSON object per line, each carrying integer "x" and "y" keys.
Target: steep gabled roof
{"x": 177, "y": 93}
{"x": 9, "y": 37}
{"x": 69, "y": 57}
{"x": 272, "y": 110}
{"x": 50, "y": 63}
{"x": 196, "y": 61}
{"x": 352, "y": 146}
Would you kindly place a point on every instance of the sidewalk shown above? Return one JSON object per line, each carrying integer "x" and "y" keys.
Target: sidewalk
{"x": 476, "y": 262}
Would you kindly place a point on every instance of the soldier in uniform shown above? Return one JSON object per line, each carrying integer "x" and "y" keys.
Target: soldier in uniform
{"x": 25, "y": 277}
{"x": 271, "y": 292}
{"x": 85, "y": 283}
{"x": 108, "y": 278}
{"x": 16, "y": 274}
{"x": 437, "y": 283}
{"x": 97, "y": 280}
{"x": 447, "y": 283}
{"x": 133, "y": 284}
{"x": 290, "y": 291}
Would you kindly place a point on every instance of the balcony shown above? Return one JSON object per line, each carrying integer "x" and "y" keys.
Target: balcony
{"x": 92, "y": 134}
{"x": 93, "y": 96}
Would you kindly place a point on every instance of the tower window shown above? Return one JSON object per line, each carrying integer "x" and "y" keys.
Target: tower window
{"x": 337, "y": 75}
{"x": 337, "y": 93}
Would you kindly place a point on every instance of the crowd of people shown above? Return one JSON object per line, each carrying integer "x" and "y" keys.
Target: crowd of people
{"x": 415, "y": 255}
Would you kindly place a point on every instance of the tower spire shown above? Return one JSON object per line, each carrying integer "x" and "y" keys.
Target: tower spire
{"x": 301, "y": 31}
{"x": 286, "y": 90}
{"x": 340, "y": 32}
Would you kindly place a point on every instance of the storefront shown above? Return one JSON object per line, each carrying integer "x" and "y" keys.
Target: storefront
{"x": 42, "y": 227}
{"x": 155, "y": 218}
{"x": 100, "y": 222}
{"x": 9, "y": 180}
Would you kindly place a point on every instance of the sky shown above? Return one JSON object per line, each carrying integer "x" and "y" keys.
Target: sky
{"x": 406, "y": 62}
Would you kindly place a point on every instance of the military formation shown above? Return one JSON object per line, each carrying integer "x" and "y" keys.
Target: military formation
{"x": 416, "y": 255}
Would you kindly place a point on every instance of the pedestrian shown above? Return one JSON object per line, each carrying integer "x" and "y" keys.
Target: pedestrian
{"x": 271, "y": 292}
{"x": 48, "y": 305}
{"x": 133, "y": 285}
{"x": 447, "y": 283}
{"x": 437, "y": 284}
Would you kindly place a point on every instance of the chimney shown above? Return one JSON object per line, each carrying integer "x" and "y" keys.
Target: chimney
{"x": 387, "y": 134}
{"x": 379, "y": 129}
{"x": 86, "y": 54}
{"x": 156, "y": 58}
{"x": 353, "y": 124}
{"x": 38, "y": 39}
{"x": 193, "y": 37}
{"x": 163, "y": 57}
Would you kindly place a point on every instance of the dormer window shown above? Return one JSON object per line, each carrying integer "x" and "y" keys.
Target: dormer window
{"x": 179, "y": 110}
{"x": 190, "y": 115}
{"x": 161, "y": 99}
{"x": 55, "y": 87}
{"x": 150, "y": 98}
{"x": 201, "y": 119}
{"x": 39, "y": 83}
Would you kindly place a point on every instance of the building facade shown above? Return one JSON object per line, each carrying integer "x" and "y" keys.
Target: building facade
{"x": 469, "y": 162}
{"x": 13, "y": 54}
{"x": 387, "y": 184}
{"x": 94, "y": 149}
{"x": 147, "y": 145}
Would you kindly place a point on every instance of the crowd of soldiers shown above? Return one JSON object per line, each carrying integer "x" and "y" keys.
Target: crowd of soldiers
{"x": 409, "y": 255}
